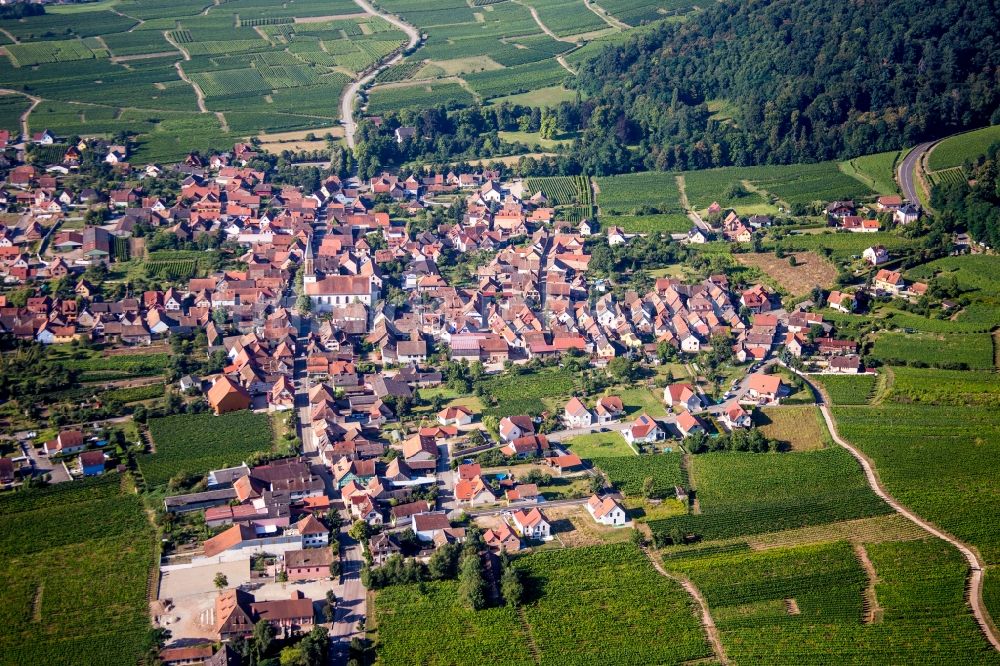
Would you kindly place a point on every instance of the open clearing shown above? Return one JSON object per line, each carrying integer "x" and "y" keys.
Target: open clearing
{"x": 810, "y": 270}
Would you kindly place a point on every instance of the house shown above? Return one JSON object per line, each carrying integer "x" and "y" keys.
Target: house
{"x": 849, "y": 364}
{"x": 889, "y": 202}
{"x": 875, "y": 255}
{"x": 514, "y": 427}
{"x": 689, "y": 424}
{"x": 683, "y": 395}
{"x": 382, "y": 546}
{"x": 427, "y": 525}
{"x": 697, "y": 236}
{"x": 644, "y": 430}
{"x": 456, "y": 415}
{"x": 566, "y": 463}
{"x": 420, "y": 448}
{"x": 314, "y": 533}
{"x": 412, "y": 351}
{"x": 67, "y": 442}
{"x": 576, "y": 414}
{"x": 527, "y": 446}
{"x": 609, "y": 408}
{"x": 404, "y": 133}
{"x": 185, "y": 656}
{"x": 92, "y": 463}
{"x": 756, "y": 299}
{"x": 841, "y": 301}
{"x": 840, "y": 209}
{"x": 606, "y": 511}
{"x": 890, "y": 282}
{"x": 532, "y": 524}
{"x": 906, "y": 214}
{"x": 735, "y": 416}
{"x": 522, "y": 492}
{"x": 501, "y": 539}
{"x": 225, "y": 395}
{"x": 401, "y": 515}
{"x": 288, "y": 616}
{"x": 474, "y": 491}
{"x": 763, "y": 388}
{"x": 308, "y": 564}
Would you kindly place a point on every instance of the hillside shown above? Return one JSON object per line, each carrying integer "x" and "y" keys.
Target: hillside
{"x": 788, "y": 81}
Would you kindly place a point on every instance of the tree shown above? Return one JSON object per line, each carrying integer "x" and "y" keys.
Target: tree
{"x": 360, "y": 531}
{"x": 263, "y": 635}
{"x": 220, "y": 581}
{"x": 622, "y": 369}
{"x": 471, "y": 585}
{"x": 441, "y": 564}
{"x": 597, "y": 482}
{"x": 511, "y": 587}
{"x": 330, "y": 607}
{"x": 648, "y": 487}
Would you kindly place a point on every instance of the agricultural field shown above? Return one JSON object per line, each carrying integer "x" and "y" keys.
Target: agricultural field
{"x": 567, "y": 17}
{"x": 58, "y": 604}
{"x": 121, "y": 366}
{"x": 396, "y": 97}
{"x": 842, "y": 245}
{"x": 938, "y": 460}
{"x": 810, "y": 270}
{"x": 797, "y": 427}
{"x": 628, "y": 474}
{"x": 818, "y": 604}
{"x": 197, "y": 443}
{"x": 944, "y": 387}
{"x": 668, "y": 223}
{"x": 510, "y": 394}
{"x": 134, "y": 393}
{"x": 11, "y": 108}
{"x": 847, "y": 389}
{"x": 750, "y": 493}
{"x": 943, "y": 350}
{"x": 599, "y": 445}
{"x": 423, "y": 624}
{"x": 961, "y": 148}
{"x": 633, "y": 193}
{"x": 878, "y": 171}
{"x": 637, "y": 12}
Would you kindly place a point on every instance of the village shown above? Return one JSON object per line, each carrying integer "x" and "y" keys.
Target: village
{"x": 345, "y": 311}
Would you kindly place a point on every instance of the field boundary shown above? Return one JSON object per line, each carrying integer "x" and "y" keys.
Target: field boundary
{"x": 975, "y": 580}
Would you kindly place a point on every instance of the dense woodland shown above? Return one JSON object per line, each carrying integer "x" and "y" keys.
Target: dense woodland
{"x": 803, "y": 80}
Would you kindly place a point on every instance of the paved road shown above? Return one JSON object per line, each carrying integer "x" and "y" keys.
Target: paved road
{"x": 905, "y": 174}
{"x": 976, "y": 575}
{"x": 351, "y": 93}
{"x": 351, "y": 603}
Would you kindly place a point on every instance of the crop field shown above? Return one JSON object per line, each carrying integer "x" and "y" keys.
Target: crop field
{"x": 938, "y": 460}
{"x": 800, "y": 427}
{"x": 944, "y": 387}
{"x": 559, "y": 190}
{"x": 509, "y": 395}
{"x": 945, "y": 350}
{"x": 961, "y": 148}
{"x": 36, "y": 53}
{"x": 634, "y": 192}
{"x": 637, "y": 12}
{"x": 58, "y": 604}
{"x": 518, "y": 79}
{"x": 842, "y": 244}
{"x": 668, "y": 223}
{"x": 599, "y": 444}
{"x": 810, "y": 270}
{"x": 749, "y": 493}
{"x": 383, "y": 99}
{"x": 423, "y": 624}
{"x": 878, "y": 171}
{"x": 197, "y": 443}
{"x": 11, "y": 108}
{"x": 628, "y": 474}
{"x": 807, "y": 604}
{"x": 847, "y": 389}
{"x": 134, "y": 393}
{"x": 135, "y": 365}
{"x": 567, "y": 17}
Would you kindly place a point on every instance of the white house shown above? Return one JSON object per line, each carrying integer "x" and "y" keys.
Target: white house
{"x": 644, "y": 430}
{"x": 606, "y": 511}
{"x": 875, "y": 255}
{"x": 515, "y": 427}
{"x": 577, "y": 415}
{"x": 314, "y": 533}
{"x": 532, "y": 524}
{"x": 690, "y": 344}
{"x": 736, "y": 417}
{"x": 456, "y": 415}
{"x": 338, "y": 290}
{"x": 682, "y": 394}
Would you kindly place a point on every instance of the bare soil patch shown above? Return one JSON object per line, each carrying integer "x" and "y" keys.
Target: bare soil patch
{"x": 810, "y": 270}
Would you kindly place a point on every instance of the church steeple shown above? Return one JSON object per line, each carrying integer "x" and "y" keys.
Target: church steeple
{"x": 308, "y": 271}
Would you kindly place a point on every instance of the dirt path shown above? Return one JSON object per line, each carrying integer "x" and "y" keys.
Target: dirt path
{"x": 606, "y": 17}
{"x": 197, "y": 91}
{"x": 351, "y": 92}
{"x": 872, "y": 609}
{"x": 711, "y": 631}
{"x": 976, "y": 574}
{"x": 691, "y": 213}
{"x": 996, "y": 348}
{"x": 545, "y": 28}
{"x": 142, "y": 56}
{"x": 562, "y": 61}
{"x": 10, "y": 36}
{"x": 170, "y": 40}
{"x": 35, "y": 101}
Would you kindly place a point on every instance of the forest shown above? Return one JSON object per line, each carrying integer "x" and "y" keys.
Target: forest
{"x": 974, "y": 206}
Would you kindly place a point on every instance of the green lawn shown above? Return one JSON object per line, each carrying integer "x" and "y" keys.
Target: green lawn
{"x": 638, "y": 400}
{"x": 599, "y": 445}
{"x": 877, "y": 171}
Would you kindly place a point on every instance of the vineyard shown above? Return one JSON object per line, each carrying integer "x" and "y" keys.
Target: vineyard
{"x": 938, "y": 460}
{"x": 508, "y": 395}
{"x": 877, "y": 170}
{"x": 742, "y": 494}
{"x": 382, "y": 100}
{"x": 58, "y": 606}
{"x": 961, "y": 148}
{"x": 945, "y": 387}
{"x": 422, "y": 624}
{"x": 177, "y": 270}
{"x": 847, "y": 389}
{"x": 631, "y": 193}
{"x": 197, "y": 443}
{"x": 629, "y": 474}
{"x": 134, "y": 393}
{"x": 808, "y": 604}
{"x": 567, "y": 17}
{"x": 945, "y": 350}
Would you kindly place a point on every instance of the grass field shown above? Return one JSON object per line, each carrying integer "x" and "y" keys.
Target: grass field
{"x": 877, "y": 171}
{"x": 668, "y": 223}
{"x": 810, "y": 270}
{"x": 599, "y": 445}
{"x": 638, "y": 400}
{"x": 800, "y": 427}
{"x": 628, "y": 474}
{"x": 747, "y": 493}
{"x": 75, "y": 591}
{"x": 197, "y": 443}
{"x": 956, "y": 150}
{"x": 423, "y": 624}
